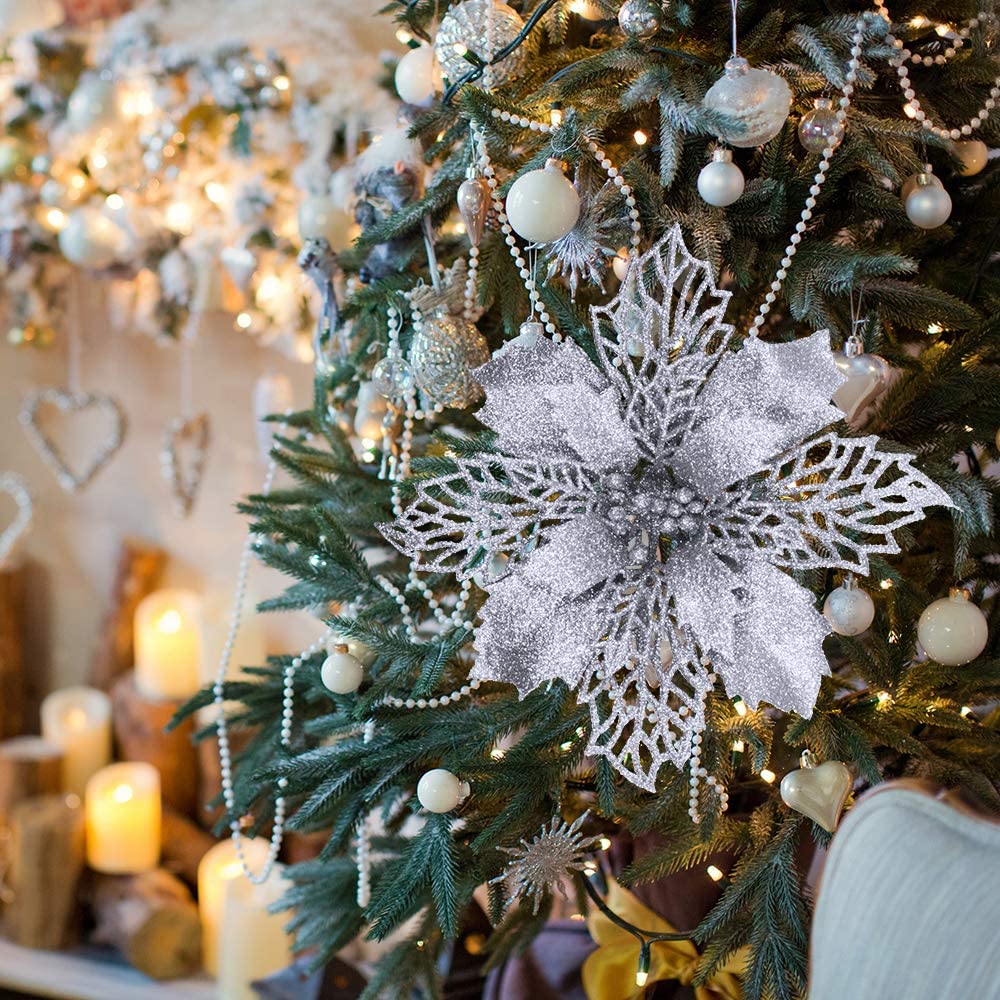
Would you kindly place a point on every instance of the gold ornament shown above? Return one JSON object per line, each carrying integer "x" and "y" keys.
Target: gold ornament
{"x": 446, "y": 350}
{"x": 818, "y": 791}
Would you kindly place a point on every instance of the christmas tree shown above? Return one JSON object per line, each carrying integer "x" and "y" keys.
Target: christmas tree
{"x": 656, "y": 566}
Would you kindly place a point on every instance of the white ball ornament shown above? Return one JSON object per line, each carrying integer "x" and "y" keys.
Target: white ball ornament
{"x": 341, "y": 672}
{"x": 849, "y": 609}
{"x": 757, "y": 101}
{"x": 93, "y": 105}
{"x": 365, "y": 654}
{"x": 322, "y": 218}
{"x": 953, "y": 631}
{"x": 721, "y": 182}
{"x": 910, "y": 184}
{"x": 974, "y": 155}
{"x": 542, "y": 205}
{"x": 928, "y": 205}
{"x": 91, "y": 239}
{"x": 620, "y": 263}
{"x": 418, "y": 77}
{"x": 440, "y": 791}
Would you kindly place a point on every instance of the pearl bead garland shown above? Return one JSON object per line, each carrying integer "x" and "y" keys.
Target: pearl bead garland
{"x": 287, "y": 706}
{"x": 850, "y": 78}
{"x": 903, "y": 54}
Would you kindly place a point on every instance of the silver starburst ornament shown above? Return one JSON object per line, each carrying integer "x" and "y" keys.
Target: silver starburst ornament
{"x": 540, "y": 865}
{"x": 659, "y": 500}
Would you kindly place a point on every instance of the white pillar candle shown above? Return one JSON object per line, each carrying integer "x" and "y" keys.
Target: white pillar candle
{"x": 217, "y": 869}
{"x": 123, "y": 819}
{"x": 167, "y": 645}
{"x": 78, "y": 721}
{"x": 252, "y": 942}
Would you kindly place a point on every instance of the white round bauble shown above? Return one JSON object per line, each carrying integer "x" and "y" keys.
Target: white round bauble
{"x": 910, "y": 184}
{"x": 341, "y": 672}
{"x": 756, "y": 99}
{"x": 94, "y": 104}
{"x": 440, "y": 791}
{"x": 90, "y": 239}
{"x": 928, "y": 205}
{"x": 953, "y": 630}
{"x": 483, "y": 27}
{"x": 322, "y": 218}
{"x": 849, "y": 609}
{"x": 620, "y": 262}
{"x": 418, "y": 77}
{"x": 974, "y": 155}
{"x": 542, "y": 205}
{"x": 721, "y": 182}
{"x": 640, "y": 18}
{"x": 24, "y": 17}
{"x": 361, "y": 652}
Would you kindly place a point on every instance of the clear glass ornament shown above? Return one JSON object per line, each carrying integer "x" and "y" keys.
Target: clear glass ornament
{"x": 393, "y": 377}
{"x": 818, "y": 127}
{"x": 473, "y": 204}
{"x": 483, "y": 27}
{"x": 757, "y": 102}
{"x": 640, "y": 18}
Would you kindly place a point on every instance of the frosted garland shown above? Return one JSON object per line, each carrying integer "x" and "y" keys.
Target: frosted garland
{"x": 913, "y": 102}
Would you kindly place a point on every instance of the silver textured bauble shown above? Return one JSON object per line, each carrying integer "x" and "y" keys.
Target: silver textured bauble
{"x": 445, "y": 352}
{"x": 818, "y": 128}
{"x": 756, "y": 101}
{"x": 928, "y": 205}
{"x": 640, "y": 18}
{"x": 483, "y": 27}
{"x": 721, "y": 182}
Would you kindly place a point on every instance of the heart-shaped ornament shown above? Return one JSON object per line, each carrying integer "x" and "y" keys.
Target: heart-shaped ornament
{"x": 16, "y": 488}
{"x": 867, "y": 375}
{"x": 70, "y": 403}
{"x": 818, "y": 791}
{"x": 185, "y": 434}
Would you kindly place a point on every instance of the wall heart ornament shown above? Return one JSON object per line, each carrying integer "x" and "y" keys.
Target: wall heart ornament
{"x": 181, "y": 434}
{"x": 818, "y": 791}
{"x": 867, "y": 375}
{"x": 70, "y": 403}
{"x": 15, "y": 487}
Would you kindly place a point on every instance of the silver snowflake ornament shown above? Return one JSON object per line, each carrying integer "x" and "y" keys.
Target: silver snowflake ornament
{"x": 651, "y": 506}
{"x": 540, "y": 865}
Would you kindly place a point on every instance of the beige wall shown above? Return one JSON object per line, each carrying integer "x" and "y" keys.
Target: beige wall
{"x": 73, "y": 544}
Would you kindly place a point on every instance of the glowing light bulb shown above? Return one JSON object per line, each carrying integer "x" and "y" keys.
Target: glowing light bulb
{"x": 641, "y": 978}
{"x": 885, "y": 584}
{"x": 715, "y": 874}
{"x": 75, "y": 718}
{"x": 55, "y": 218}
{"x": 768, "y": 776}
{"x": 99, "y": 160}
{"x": 934, "y": 329}
{"x": 640, "y": 137}
{"x": 170, "y": 622}
{"x": 282, "y": 83}
{"x": 244, "y": 321}
{"x": 741, "y": 708}
{"x": 403, "y": 37}
{"x": 884, "y": 699}
{"x": 965, "y": 712}
{"x": 739, "y": 746}
{"x": 180, "y": 217}
{"x": 460, "y": 49}
{"x": 215, "y": 192}
{"x": 556, "y": 117}
{"x": 114, "y": 202}
{"x": 604, "y": 844}
{"x": 122, "y": 793}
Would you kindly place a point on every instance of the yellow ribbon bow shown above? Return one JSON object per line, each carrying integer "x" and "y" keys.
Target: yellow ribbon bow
{"x": 609, "y": 972}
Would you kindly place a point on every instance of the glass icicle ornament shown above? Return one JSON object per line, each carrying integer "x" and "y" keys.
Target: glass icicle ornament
{"x": 756, "y": 101}
{"x": 818, "y": 128}
{"x": 483, "y": 27}
{"x": 473, "y": 204}
{"x": 640, "y": 18}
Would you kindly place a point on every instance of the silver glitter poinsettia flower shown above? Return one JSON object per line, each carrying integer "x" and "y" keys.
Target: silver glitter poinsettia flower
{"x": 652, "y": 505}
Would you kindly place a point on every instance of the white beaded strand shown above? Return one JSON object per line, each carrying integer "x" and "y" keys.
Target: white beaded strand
{"x": 819, "y": 179}
{"x": 442, "y": 699}
{"x": 912, "y": 106}
{"x": 363, "y": 855}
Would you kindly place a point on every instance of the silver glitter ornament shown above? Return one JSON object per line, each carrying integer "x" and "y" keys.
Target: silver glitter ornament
{"x": 72, "y": 403}
{"x": 184, "y": 433}
{"x": 540, "y": 865}
{"x": 445, "y": 352}
{"x": 818, "y": 128}
{"x": 640, "y": 18}
{"x": 756, "y": 101}
{"x": 483, "y": 27}
{"x": 658, "y": 497}
{"x": 473, "y": 205}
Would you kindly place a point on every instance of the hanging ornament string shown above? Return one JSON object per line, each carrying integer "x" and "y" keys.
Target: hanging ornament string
{"x": 850, "y": 78}
{"x": 913, "y": 107}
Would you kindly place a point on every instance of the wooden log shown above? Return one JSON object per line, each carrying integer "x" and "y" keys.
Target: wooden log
{"x": 139, "y": 568}
{"x": 12, "y": 679}
{"x": 210, "y": 773}
{"x": 152, "y": 920}
{"x": 184, "y": 845}
{"x": 140, "y": 727}
{"x": 29, "y": 766}
{"x": 46, "y": 861}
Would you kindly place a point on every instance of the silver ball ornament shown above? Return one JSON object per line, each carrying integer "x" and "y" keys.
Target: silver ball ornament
{"x": 818, "y": 127}
{"x": 910, "y": 184}
{"x": 757, "y": 101}
{"x": 483, "y": 27}
{"x": 849, "y": 609}
{"x": 721, "y": 182}
{"x": 928, "y": 205}
{"x": 640, "y": 18}
{"x": 342, "y": 672}
{"x": 953, "y": 630}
